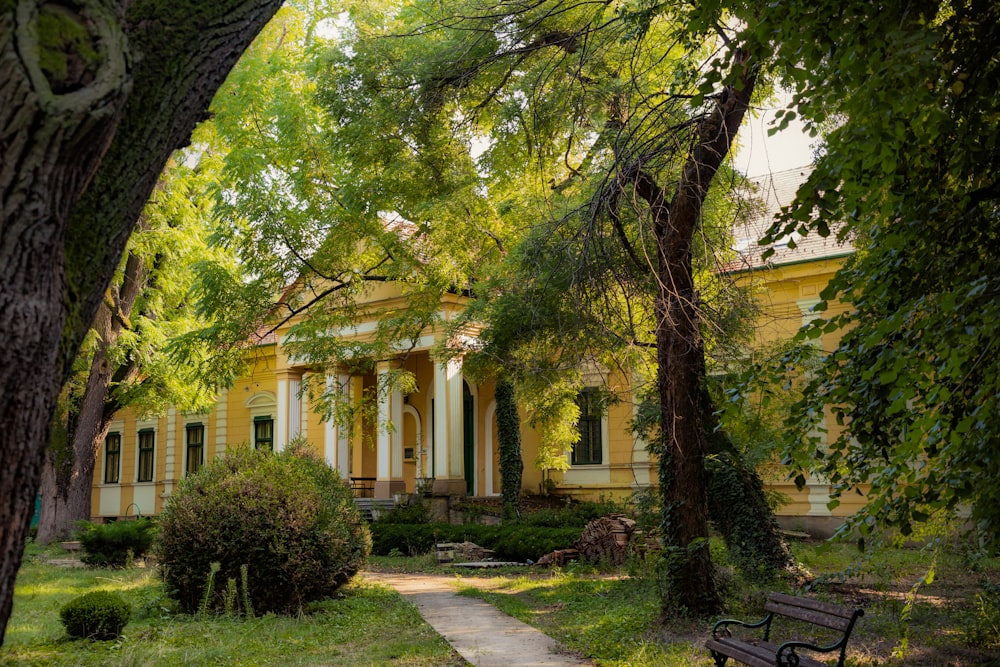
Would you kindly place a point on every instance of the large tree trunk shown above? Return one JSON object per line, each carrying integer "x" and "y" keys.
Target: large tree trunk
{"x": 102, "y": 127}
{"x": 68, "y": 476}
{"x": 690, "y": 586}
{"x": 80, "y": 428}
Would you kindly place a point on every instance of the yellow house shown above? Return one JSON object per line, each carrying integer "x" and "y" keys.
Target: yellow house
{"x": 787, "y": 286}
{"x": 441, "y": 437}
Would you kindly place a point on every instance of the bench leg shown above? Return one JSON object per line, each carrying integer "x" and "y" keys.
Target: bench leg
{"x": 720, "y": 660}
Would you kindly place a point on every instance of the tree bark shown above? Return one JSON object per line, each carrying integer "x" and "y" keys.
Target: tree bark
{"x": 68, "y": 473}
{"x": 681, "y": 355}
{"x": 82, "y": 147}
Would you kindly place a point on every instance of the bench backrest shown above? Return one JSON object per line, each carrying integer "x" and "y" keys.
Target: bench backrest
{"x": 823, "y": 614}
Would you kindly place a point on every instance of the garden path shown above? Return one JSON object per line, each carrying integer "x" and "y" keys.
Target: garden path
{"x": 482, "y": 634}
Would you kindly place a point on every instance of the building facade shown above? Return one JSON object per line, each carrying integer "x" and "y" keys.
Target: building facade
{"x": 441, "y": 437}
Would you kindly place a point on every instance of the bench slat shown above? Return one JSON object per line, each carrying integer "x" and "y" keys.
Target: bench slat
{"x": 815, "y": 605}
{"x": 759, "y": 654}
{"x": 810, "y": 616}
{"x": 748, "y": 654}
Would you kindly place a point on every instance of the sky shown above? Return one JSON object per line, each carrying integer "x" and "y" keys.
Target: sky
{"x": 760, "y": 154}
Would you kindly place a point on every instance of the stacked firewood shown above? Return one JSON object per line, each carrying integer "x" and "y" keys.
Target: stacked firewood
{"x": 606, "y": 540}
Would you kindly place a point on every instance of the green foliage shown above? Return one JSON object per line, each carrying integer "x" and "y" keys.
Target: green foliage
{"x": 984, "y": 627}
{"x": 511, "y": 542}
{"x": 287, "y": 517}
{"x": 909, "y": 93}
{"x": 739, "y": 509}
{"x": 95, "y": 615}
{"x": 116, "y": 544}
{"x": 509, "y": 442}
{"x": 407, "y": 539}
{"x": 414, "y": 512}
{"x": 576, "y": 514}
{"x": 337, "y": 214}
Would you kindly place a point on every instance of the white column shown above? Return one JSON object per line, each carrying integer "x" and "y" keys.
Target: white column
{"x": 221, "y": 413}
{"x": 440, "y": 421}
{"x": 303, "y": 411}
{"x": 344, "y": 431}
{"x": 294, "y": 408}
{"x": 455, "y": 430}
{"x": 396, "y": 433}
{"x": 169, "y": 468}
{"x": 330, "y": 431}
{"x": 337, "y": 437}
{"x": 806, "y": 310}
{"x": 448, "y": 420}
{"x": 383, "y": 451}
{"x": 281, "y": 420}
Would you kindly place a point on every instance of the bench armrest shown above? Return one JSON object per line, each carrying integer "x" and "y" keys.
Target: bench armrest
{"x": 786, "y": 656}
{"x": 721, "y": 626}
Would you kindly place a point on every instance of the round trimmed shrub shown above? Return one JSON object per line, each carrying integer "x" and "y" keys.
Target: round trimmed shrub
{"x": 95, "y": 615}
{"x": 287, "y": 520}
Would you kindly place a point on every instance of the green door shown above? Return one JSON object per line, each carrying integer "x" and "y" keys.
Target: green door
{"x": 469, "y": 438}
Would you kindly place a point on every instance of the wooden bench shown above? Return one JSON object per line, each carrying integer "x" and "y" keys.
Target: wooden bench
{"x": 763, "y": 653}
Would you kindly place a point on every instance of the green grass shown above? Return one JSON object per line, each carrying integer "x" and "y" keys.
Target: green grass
{"x": 615, "y": 620}
{"x": 606, "y": 615}
{"x": 368, "y": 625}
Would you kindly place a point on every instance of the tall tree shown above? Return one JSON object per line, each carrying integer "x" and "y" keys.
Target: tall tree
{"x": 93, "y": 99}
{"x": 596, "y": 132}
{"x": 127, "y": 359}
{"x": 910, "y": 90}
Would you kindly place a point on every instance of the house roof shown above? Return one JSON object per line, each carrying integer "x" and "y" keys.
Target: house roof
{"x": 772, "y": 193}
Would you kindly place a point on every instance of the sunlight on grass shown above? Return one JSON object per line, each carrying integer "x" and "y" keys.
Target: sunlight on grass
{"x": 365, "y": 625}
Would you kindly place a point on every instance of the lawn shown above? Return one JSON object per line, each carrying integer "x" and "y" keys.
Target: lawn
{"x": 610, "y": 616}
{"x": 367, "y": 625}
{"x": 613, "y": 618}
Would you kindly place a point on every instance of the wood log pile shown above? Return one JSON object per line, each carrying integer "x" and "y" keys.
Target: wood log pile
{"x": 559, "y": 558}
{"x": 606, "y": 540}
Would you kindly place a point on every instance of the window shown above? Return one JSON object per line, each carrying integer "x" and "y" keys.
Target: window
{"x": 147, "y": 441}
{"x": 588, "y": 450}
{"x": 263, "y": 433}
{"x": 112, "y": 457}
{"x": 195, "y": 447}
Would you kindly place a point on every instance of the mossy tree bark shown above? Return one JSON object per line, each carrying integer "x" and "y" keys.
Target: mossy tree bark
{"x": 94, "y": 97}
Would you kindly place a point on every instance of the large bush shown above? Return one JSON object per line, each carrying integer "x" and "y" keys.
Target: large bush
{"x": 115, "y": 544}
{"x": 95, "y": 615}
{"x": 287, "y": 517}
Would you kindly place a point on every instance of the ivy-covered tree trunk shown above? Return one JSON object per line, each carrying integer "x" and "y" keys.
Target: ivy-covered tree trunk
{"x": 688, "y": 577}
{"x": 91, "y": 106}
{"x": 737, "y": 506}
{"x": 509, "y": 439}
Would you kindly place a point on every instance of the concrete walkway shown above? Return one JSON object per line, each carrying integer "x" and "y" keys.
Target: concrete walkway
{"x": 482, "y": 634}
